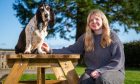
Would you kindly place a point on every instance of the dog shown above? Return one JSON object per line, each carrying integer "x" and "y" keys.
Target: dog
{"x": 32, "y": 36}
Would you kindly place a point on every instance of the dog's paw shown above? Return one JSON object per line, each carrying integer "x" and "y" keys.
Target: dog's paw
{"x": 41, "y": 52}
{"x": 27, "y": 52}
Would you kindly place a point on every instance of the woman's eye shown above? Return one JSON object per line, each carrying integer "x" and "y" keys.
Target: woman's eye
{"x": 91, "y": 20}
{"x": 95, "y": 18}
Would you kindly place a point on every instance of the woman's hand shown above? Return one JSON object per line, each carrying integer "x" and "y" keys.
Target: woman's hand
{"x": 95, "y": 74}
{"x": 46, "y": 47}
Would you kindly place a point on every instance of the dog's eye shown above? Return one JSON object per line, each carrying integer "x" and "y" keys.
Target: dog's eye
{"x": 41, "y": 10}
{"x": 47, "y": 8}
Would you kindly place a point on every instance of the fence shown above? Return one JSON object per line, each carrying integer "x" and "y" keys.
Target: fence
{"x": 3, "y": 62}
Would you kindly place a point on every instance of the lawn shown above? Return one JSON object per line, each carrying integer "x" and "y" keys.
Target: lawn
{"x": 132, "y": 75}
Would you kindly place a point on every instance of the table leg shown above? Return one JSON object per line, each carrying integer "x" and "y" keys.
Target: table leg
{"x": 69, "y": 71}
{"x": 40, "y": 75}
{"x": 16, "y": 72}
{"x": 58, "y": 73}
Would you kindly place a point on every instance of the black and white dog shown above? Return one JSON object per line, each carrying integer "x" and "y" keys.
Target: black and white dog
{"x": 32, "y": 37}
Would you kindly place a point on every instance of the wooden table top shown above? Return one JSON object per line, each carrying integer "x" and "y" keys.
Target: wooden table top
{"x": 43, "y": 56}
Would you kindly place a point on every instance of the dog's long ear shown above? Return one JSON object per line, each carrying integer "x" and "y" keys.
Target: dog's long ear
{"x": 52, "y": 18}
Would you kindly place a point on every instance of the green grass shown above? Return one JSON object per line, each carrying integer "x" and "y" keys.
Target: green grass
{"x": 26, "y": 77}
{"x": 132, "y": 75}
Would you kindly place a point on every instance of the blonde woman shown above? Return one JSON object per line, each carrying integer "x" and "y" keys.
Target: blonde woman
{"x": 102, "y": 50}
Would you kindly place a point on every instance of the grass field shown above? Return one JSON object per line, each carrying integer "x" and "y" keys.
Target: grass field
{"x": 132, "y": 75}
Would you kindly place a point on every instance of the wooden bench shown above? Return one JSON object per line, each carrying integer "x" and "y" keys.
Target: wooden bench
{"x": 61, "y": 64}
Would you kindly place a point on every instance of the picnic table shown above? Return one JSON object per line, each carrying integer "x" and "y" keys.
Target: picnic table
{"x": 61, "y": 64}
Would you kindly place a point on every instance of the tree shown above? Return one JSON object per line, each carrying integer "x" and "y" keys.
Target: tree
{"x": 65, "y": 14}
{"x": 72, "y": 14}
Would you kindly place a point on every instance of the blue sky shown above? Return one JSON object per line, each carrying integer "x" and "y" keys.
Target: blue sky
{"x": 10, "y": 29}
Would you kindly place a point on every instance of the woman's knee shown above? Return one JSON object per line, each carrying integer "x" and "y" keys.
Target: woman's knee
{"x": 86, "y": 79}
{"x": 111, "y": 77}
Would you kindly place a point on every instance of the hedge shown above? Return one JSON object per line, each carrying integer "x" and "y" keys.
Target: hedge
{"x": 132, "y": 54}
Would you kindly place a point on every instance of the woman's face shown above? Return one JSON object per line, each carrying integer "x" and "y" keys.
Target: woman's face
{"x": 95, "y": 22}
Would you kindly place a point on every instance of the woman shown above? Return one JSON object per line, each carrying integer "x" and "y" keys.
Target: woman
{"x": 102, "y": 50}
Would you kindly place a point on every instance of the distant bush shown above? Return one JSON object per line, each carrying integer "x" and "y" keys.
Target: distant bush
{"x": 132, "y": 54}
{"x": 6, "y": 49}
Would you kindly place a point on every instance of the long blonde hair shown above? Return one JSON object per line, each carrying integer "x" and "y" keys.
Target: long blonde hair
{"x": 89, "y": 35}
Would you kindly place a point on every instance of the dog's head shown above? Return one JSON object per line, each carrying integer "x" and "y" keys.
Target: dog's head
{"x": 45, "y": 13}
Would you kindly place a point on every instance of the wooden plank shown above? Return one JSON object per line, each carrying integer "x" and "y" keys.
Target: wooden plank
{"x": 40, "y": 75}
{"x": 43, "y": 56}
{"x": 47, "y": 82}
{"x": 39, "y": 63}
{"x": 58, "y": 73}
{"x": 69, "y": 71}
{"x": 16, "y": 72}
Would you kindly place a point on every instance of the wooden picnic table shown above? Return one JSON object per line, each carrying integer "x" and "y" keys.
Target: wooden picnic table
{"x": 61, "y": 64}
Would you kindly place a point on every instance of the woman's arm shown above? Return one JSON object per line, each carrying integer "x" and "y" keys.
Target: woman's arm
{"x": 76, "y": 48}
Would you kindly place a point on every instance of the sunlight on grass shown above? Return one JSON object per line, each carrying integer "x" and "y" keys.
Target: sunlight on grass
{"x": 132, "y": 75}
{"x": 26, "y": 77}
